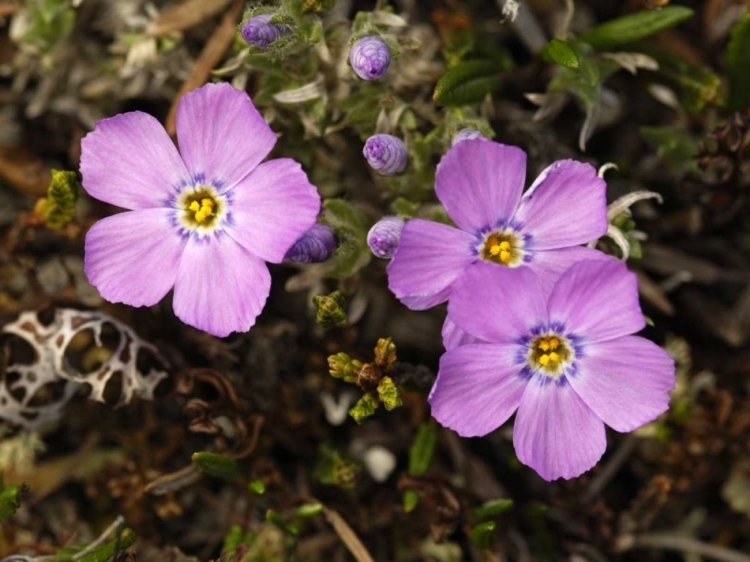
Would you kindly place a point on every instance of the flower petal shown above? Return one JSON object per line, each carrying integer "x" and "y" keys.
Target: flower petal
{"x": 272, "y": 207}
{"x": 597, "y": 300}
{"x": 549, "y": 265}
{"x": 428, "y": 259}
{"x": 478, "y": 388}
{"x": 222, "y": 136}
{"x": 453, "y": 336}
{"x": 555, "y": 433}
{"x": 129, "y": 160}
{"x": 221, "y": 287}
{"x": 566, "y": 206}
{"x": 498, "y": 304}
{"x": 480, "y": 183}
{"x": 626, "y": 381}
{"x": 133, "y": 257}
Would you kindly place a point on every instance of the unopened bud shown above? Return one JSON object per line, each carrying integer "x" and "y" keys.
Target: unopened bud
{"x": 370, "y": 57}
{"x": 314, "y": 246}
{"x": 341, "y": 366}
{"x": 386, "y": 154}
{"x": 384, "y": 236}
{"x": 259, "y": 32}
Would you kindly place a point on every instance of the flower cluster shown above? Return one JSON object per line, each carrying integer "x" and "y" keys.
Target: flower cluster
{"x": 536, "y": 322}
{"x": 202, "y": 221}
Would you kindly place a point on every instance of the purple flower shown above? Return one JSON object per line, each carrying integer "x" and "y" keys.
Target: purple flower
{"x": 466, "y": 134}
{"x": 257, "y": 31}
{"x": 480, "y": 183}
{"x": 204, "y": 220}
{"x": 384, "y": 236}
{"x": 370, "y": 57}
{"x": 385, "y": 154}
{"x": 314, "y": 246}
{"x": 566, "y": 361}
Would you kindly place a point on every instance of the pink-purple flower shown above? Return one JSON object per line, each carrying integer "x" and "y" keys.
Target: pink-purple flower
{"x": 565, "y": 360}
{"x": 203, "y": 220}
{"x": 480, "y": 183}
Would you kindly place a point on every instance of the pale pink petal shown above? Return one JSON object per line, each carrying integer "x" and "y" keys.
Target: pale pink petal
{"x": 597, "y": 300}
{"x": 478, "y": 387}
{"x": 480, "y": 183}
{"x": 222, "y": 136}
{"x": 272, "y": 207}
{"x": 625, "y": 381}
{"x": 498, "y": 304}
{"x": 566, "y": 208}
{"x": 549, "y": 265}
{"x": 129, "y": 160}
{"x": 133, "y": 257}
{"x": 428, "y": 259}
{"x": 453, "y": 336}
{"x": 221, "y": 287}
{"x": 555, "y": 433}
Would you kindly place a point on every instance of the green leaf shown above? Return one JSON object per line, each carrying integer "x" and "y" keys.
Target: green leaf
{"x": 233, "y": 539}
{"x": 676, "y": 147}
{"x": 102, "y": 553}
{"x": 307, "y": 510}
{"x": 276, "y": 519}
{"x": 10, "y": 499}
{"x": 330, "y": 310}
{"x": 492, "y": 509}
{"x": 350, "y": 226}
{"x": 58, "y": 207}
{"x": 634, "y": 27}
{"x": 365, "y": 407}
{"x": 422, "y": 449}
{"x": 738, "y": 63}
{"x": 468, "y": 82}
{"x": 257, "y": 487}
{"x": 388, "y": 394}
{"x": 560, "y": 52}
{"x": 481, "y": 535}
{"x": 217, "y": 465}
{"x": 411, "y": 500}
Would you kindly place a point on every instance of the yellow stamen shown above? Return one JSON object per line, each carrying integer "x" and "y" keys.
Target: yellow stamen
{"x": 544, "y": 359}
{"x": 504, "y": 256}
{"x": 194, "y": 206}
{"x": 495, "y": 250}
{"x": 504, "y": 245}
{"x": 554, "y": 343}
{"x": 554, "y": 357}
{"x": 544, "y": 345}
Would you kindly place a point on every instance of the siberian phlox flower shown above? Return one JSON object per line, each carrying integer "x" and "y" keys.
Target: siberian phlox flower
{"x": 480, "y": 183}
{"x": 567, "y": 362}
{"x": 204, "y": 220}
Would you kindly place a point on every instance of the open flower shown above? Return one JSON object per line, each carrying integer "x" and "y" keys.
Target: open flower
{"x": 204, "y": 220}
{"x": 480, "y": 183}
{"x": 567, "y": 362}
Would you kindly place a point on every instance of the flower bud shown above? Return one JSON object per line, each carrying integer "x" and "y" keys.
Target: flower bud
{"x": 314, "y": 246}
{"x": 330, "y": 310}
{"x": 385, "y": 154}
{"x": 384, "y": 236}
{"x": 466, "y": 134}
{"x": 370, "y": 57}
{"x": 257, "y": 31}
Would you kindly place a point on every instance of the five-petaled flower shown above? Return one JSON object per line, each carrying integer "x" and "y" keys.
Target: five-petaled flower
{"x": 566, "y": 361}
{"x": 204, "y": 220}
{"x": 480, "y": 183}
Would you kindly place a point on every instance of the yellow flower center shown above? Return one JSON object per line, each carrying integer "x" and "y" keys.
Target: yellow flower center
{"x": 502, "y": 248}
{"x": 201, "y": 207}
{"x": 549, "y": 354}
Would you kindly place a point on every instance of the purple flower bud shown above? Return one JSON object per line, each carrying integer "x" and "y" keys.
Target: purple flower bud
{"x": 384, "y": 236}
{"x": 314, "y": 246}
{"x": 386, "y": 154}
{"x": 466, "y": 134}
{"x": 370, "y": 57}
{"x": 257, "y": 31}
